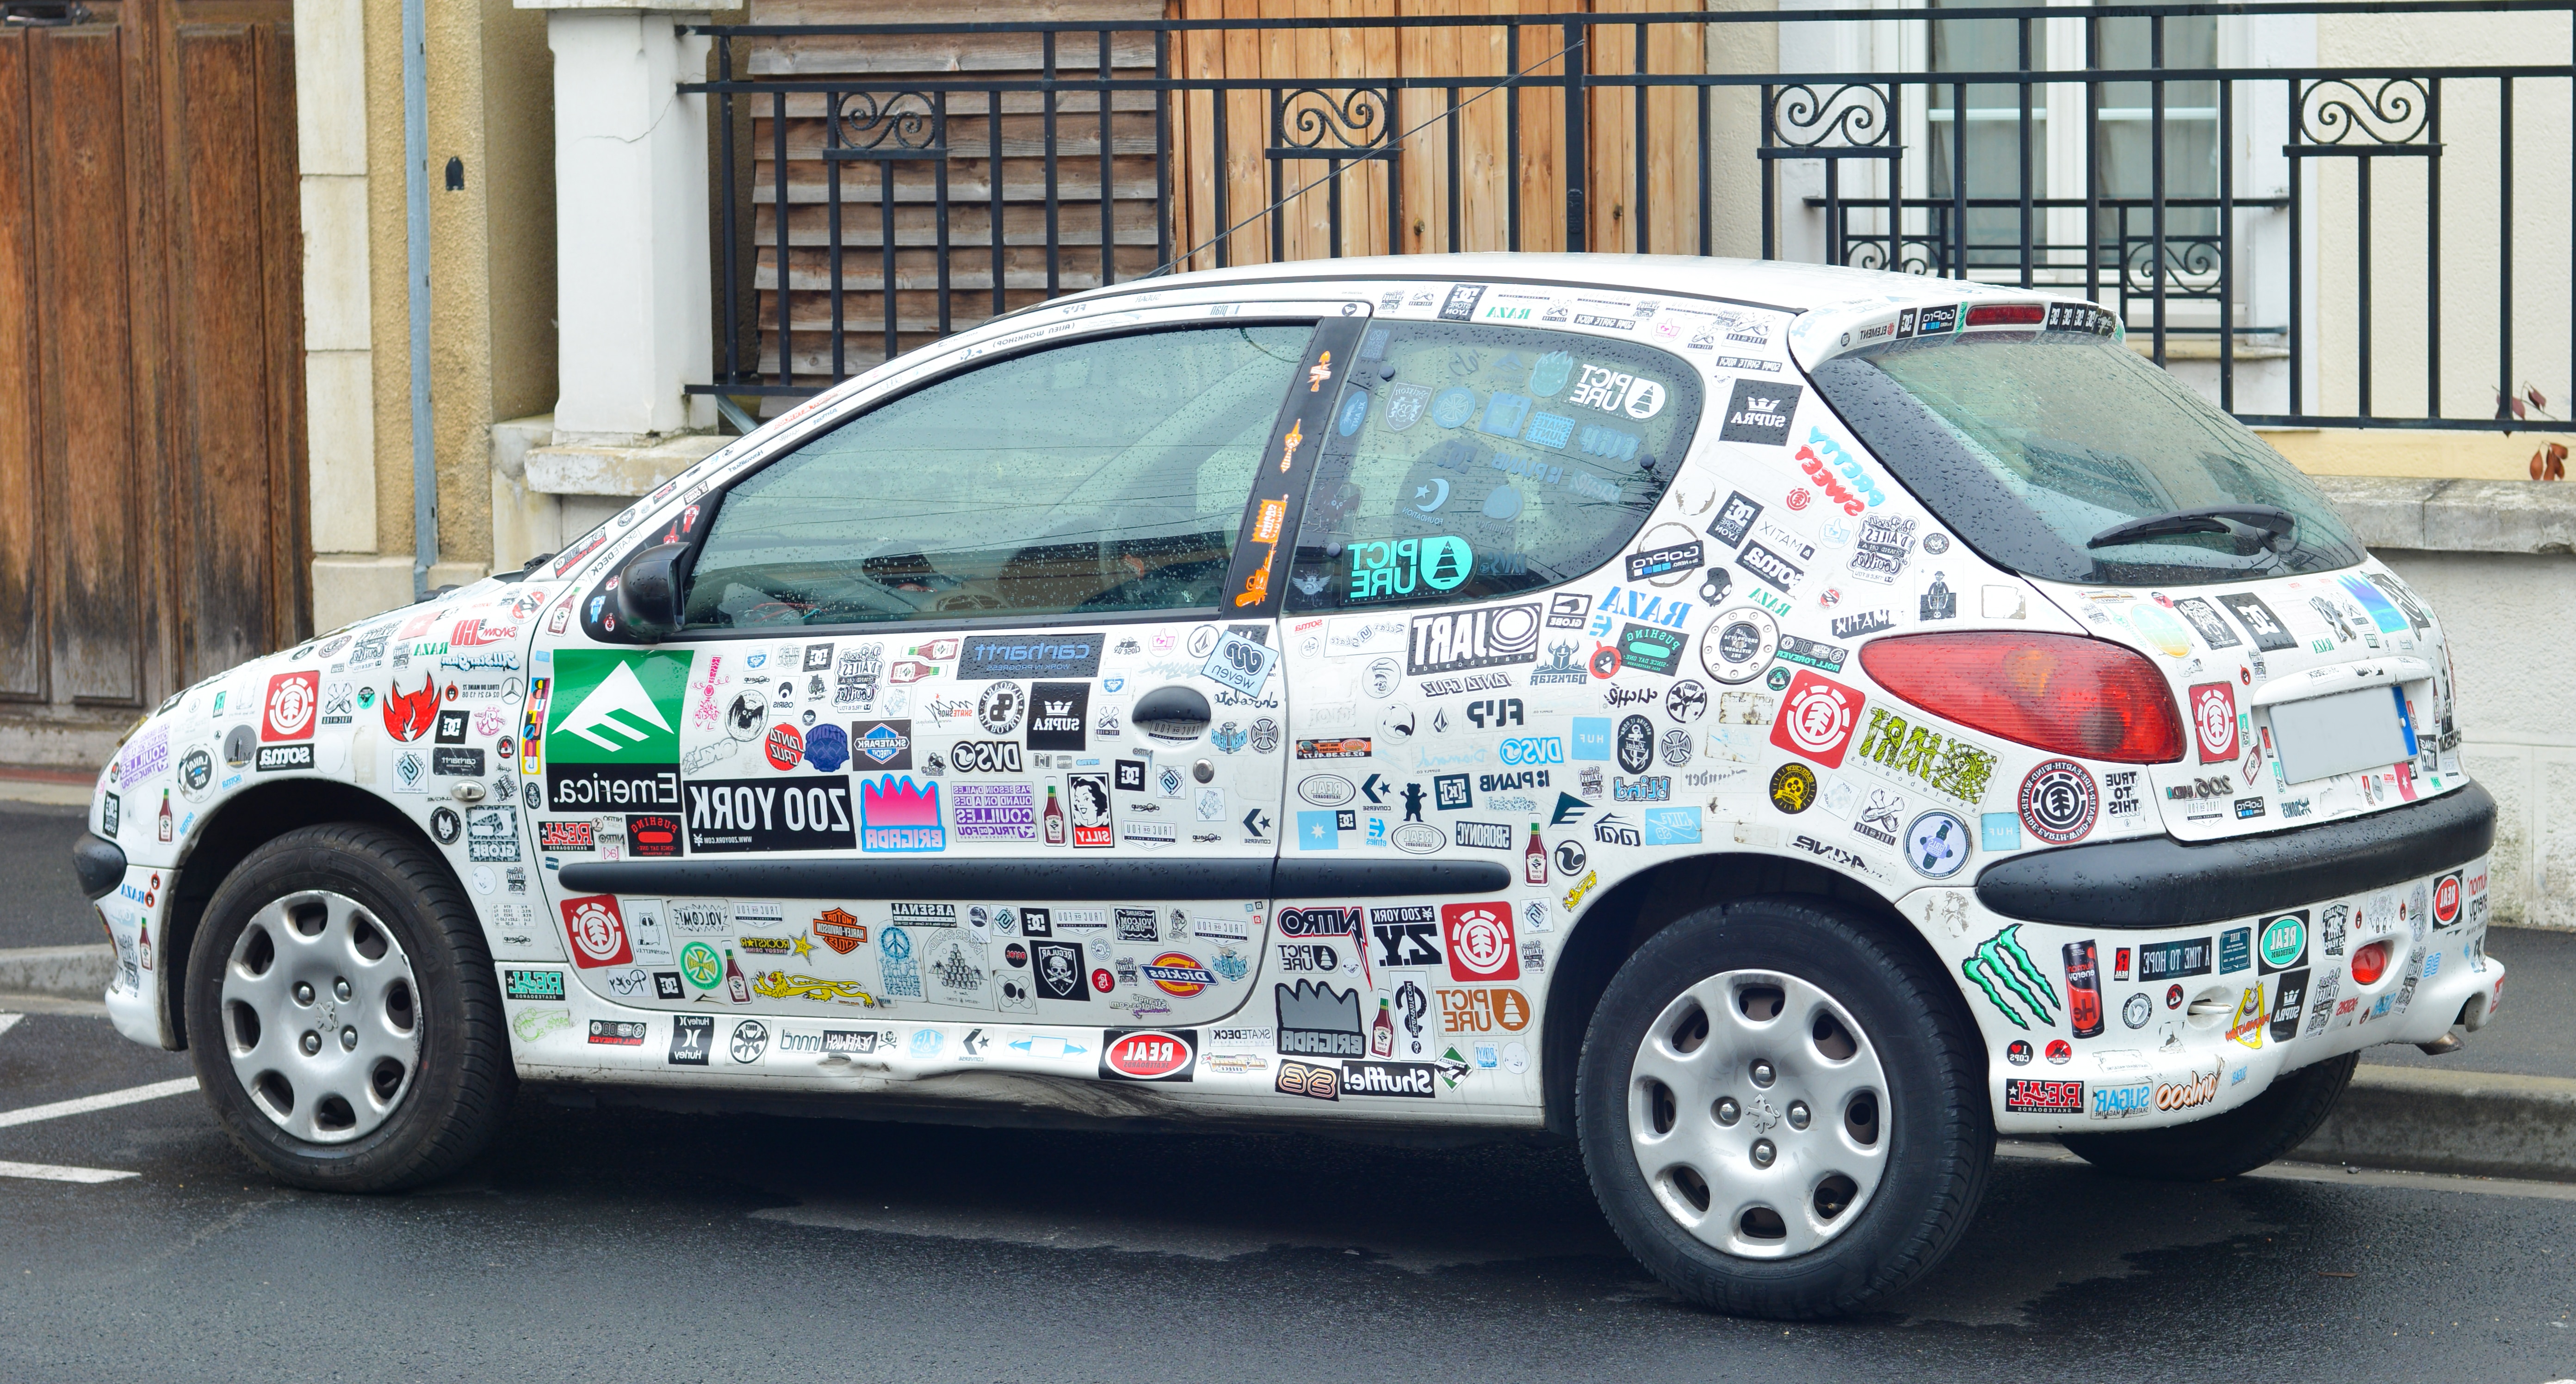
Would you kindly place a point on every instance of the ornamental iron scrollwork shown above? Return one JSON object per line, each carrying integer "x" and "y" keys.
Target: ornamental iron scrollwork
{"x": 1919, "y": 255}
{"x": 2342, "y": 111}
{"x": 1312, "y": 121}
{"x": 886, "y": 121}
{"x": 2191, "y": 265}
{"x": 1850, "y": 116}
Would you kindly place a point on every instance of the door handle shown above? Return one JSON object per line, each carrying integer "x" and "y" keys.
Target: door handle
{"x": 1177, "y": 714}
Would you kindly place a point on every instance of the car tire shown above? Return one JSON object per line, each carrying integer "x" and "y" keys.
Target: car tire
{"x": 1864, "y": 1032}
{"x": 342, "y": 1013}
{"x": 2258, "y": 1132}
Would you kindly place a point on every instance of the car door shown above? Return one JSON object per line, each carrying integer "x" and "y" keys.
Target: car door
{"x": 1485, "y": 690}
{"x": 966, "y": 718}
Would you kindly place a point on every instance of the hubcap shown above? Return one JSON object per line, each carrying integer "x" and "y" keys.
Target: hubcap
{"x": 320, "y": 1018}
{"x": 1757, "y": 1110}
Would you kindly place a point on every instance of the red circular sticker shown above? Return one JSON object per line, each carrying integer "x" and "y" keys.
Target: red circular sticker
{"x": 1102, "y": 981}
{"x": 2446, "y": 901}
{"x": 1605, "y": 661}
{"x": 786, "y": 746}
{"x": 2060, "y": 1051}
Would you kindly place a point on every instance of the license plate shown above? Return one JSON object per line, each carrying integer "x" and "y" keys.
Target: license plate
{"x": 2320, "y": 737}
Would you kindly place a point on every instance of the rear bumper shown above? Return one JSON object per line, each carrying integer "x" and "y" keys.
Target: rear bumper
{"x": 2159, "y": 882}
{"x": 2087, "y": 1032}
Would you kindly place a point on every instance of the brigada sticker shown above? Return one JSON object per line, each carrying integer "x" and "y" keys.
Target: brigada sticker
{"x": 1241, "y": 664}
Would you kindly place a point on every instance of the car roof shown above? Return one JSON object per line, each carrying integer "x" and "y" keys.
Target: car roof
{"x": 1769, "y": 283}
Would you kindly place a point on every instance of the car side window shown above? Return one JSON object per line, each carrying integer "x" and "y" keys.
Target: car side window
{"x": 1470, "y": 461}
{"x": 1100, "y": 476}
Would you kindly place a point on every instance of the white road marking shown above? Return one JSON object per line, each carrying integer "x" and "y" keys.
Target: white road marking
{"x": 9, "y": 1021}
{"x": 105, "y": 1101}
{"x": 50, "y": 1172}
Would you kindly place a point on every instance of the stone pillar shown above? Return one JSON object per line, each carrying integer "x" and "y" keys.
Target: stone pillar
{"x": 631, "y": 249}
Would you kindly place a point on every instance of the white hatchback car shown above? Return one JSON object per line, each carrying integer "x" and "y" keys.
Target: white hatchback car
{"x": 1778, "y": 726}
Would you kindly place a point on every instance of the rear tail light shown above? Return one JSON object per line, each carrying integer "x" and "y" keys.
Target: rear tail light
{"x": 2370, "y": 963}
{"x": 2062, "y": 692}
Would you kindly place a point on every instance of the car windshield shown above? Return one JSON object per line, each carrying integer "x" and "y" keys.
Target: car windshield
{"x": 2030, "y": 445}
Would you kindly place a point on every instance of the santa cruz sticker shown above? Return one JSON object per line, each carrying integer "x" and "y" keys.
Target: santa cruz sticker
{"x": 2058, "y": 802}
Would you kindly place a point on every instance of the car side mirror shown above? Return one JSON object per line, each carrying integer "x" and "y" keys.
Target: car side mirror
{"x": 648, "y": 591}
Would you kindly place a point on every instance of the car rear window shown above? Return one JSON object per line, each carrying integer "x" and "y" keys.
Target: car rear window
{"x": 2030, "y": 444}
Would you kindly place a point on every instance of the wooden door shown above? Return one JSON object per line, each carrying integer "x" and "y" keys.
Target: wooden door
{"x": 152, "y": 507}
{"x": 1484, "y": 126}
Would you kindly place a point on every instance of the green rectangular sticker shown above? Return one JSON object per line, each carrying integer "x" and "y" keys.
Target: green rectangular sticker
{"x": 611, "y": 707}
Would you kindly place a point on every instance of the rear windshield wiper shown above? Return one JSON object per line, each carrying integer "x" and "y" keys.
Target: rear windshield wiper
{"x": 2275, "y": 522}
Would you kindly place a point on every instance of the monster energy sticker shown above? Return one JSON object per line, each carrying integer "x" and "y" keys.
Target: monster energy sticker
{"x": 1999, "y": 961}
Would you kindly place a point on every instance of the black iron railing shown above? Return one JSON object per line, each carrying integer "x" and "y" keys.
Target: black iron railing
{"x": 2279, "y": 231}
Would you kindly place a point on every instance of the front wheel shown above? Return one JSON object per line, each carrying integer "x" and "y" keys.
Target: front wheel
{"x": 342, "y": 1014}
{"x": 2259, "y": 1131}
{"x": 1783, "y": 1113}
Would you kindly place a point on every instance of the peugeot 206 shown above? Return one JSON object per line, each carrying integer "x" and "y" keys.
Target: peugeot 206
{"x": 1778, "y": 727}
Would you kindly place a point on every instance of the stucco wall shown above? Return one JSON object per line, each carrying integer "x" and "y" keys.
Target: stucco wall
{"x": 492, "y": 349}
{"x": 2471, "y": 249}
{"x": 2506, "y": 618}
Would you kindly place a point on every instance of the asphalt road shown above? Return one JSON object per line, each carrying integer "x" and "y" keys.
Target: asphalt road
{"x": 603, "y": 1243}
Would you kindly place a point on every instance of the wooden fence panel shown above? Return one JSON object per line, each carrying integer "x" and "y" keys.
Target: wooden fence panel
{"x": 22, "y": 562}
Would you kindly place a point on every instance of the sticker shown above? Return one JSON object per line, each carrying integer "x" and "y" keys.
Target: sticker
{"x": 1240, "y": 663}
{"x": 1738, "y": 644}
{"x": 2059, "y": 801}
{"x": 1759, "y": 412}
{"x": 1816, "y": 719}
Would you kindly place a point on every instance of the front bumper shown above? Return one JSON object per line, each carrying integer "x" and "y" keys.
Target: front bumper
{"x": 2104, "y": 1026}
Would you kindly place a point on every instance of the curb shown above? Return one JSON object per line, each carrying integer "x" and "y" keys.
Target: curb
{"x": 2478, "y": 1124}
{"x": 65, "y": 972}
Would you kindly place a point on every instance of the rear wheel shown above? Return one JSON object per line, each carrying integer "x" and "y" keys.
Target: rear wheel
{"x": 2260, "y": 1131}
{"x": 342, "y": 1014}
{"x": 1782, "y": 1114}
